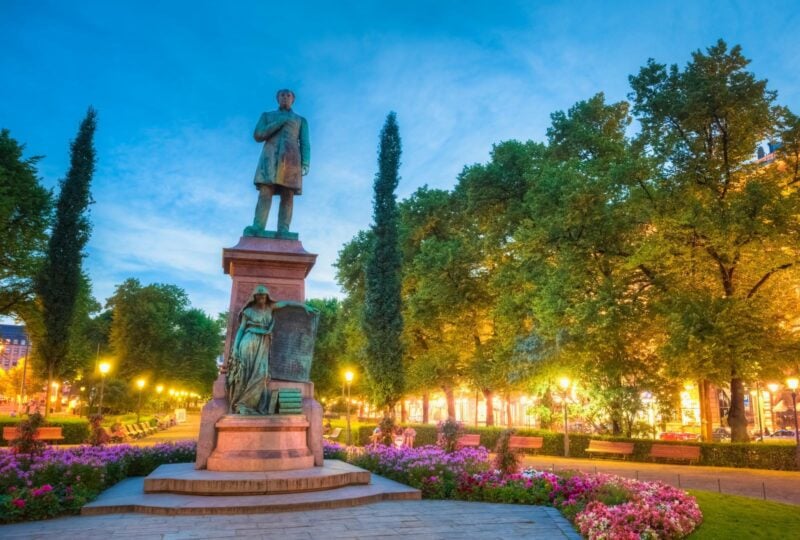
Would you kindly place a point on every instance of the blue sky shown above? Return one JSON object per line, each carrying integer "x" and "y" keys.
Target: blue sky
{"x": 179, "y": 87}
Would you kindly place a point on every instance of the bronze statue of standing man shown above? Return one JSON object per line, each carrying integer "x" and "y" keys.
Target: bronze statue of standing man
{"x": 284, "y": 161}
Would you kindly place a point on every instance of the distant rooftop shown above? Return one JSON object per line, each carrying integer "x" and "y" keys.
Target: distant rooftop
{"x": 12, "y": 332}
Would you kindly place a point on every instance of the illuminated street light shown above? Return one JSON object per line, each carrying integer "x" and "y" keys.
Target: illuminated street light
{"x": 564, "y": 383}
{"x": 140, "y": 385}
{"x": 772, "y": 388}
{"x": 104, "y": 368}
{"x": 792, "y": 383}
{"x": 348, "y": 377}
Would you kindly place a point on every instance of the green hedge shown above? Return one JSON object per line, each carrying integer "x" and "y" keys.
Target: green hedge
{"x": 779, "y": 457}
{"x": 74, "y": 430}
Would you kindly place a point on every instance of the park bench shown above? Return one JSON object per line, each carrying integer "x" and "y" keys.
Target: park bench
{"x": 147, "y": 428}
{"x": 139, "y": 430}
{"x": 609, "y": 447}
{"x": 470, "y": 439}
{"x": 132, "y": 431}
{"x": 675, "y": 451}
{"x": 518, "y": 442}
{"x": 42, "y": 433}
{"x": 333, "y": 435}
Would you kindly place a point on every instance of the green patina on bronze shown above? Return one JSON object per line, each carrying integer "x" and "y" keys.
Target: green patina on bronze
{"x": 275, "y": 340}
{"x": 285, "y": 159}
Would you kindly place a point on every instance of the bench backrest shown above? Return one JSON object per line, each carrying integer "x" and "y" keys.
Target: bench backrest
{"x": 518, "y": 441}
{"x": 675, "y": 451}
{"x": 470, "y": 439}
{"x": 43, "y": 433}
{"x": 611, "y": 447}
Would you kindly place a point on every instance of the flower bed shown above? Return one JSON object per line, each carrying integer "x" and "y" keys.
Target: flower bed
{"x": 60, "y": 481}
{"x": 429, "y": 468}
{"x": 601, "y": 506}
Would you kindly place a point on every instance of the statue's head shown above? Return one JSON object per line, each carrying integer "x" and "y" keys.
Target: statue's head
{"x": 285, "y": 98}
{"x": 260, "y": 291}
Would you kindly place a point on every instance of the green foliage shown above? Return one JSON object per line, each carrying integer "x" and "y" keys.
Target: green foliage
{"x": 25, "y": 207}
{"x": 155, "y": 333}
{"x": 448, "y": 433}
{"x": 382, "y": 317}
{"x": 506, "y": 460}
{"x": 387, "y": 426}
{"x": 26, "y": 443}
{"x": 725, "y": 224}
{"x": 326, "y": 368}
{"x": 60, "y": 281}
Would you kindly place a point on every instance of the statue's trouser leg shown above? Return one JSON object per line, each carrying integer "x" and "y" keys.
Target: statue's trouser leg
{"x": 285, "y": 210}
{"x": 265, "y": 193}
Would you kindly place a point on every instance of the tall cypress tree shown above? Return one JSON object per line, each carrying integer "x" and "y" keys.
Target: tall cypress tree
{"x": 383, "y": 322}
{"x": 60, "y": 281}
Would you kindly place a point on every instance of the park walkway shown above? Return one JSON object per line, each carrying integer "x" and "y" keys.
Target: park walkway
{"x": 385, "y": 520}
{"x": 185, "y": 431}
{"x": 780, "y": 486}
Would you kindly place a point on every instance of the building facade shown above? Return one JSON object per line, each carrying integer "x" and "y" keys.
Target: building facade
{"x": 15, "y": 345}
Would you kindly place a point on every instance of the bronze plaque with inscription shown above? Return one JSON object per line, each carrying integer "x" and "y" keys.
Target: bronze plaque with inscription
{"x": 292, "y": 348}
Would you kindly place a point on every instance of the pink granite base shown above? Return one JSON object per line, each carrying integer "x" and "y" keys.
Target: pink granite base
{"x": 183, "y": 478}
{"x": 261, "y": 443}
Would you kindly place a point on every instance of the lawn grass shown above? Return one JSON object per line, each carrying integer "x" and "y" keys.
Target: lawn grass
{"x": 732, "y": 517}
{"x": 354, "y": 425}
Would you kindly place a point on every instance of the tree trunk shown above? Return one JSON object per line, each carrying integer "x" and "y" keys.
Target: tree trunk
{"x": 451, "y": 402}
{"x": 737, "y": 419}
{"x": 706, "y": 427}
{"x": 48, "y": 390}
{"x": 403, "y": 411}
{"x": 508, "y": 411}
{"x": 616, "y": 423}
{"x": 426, "y": 403}
{"x": 488, "y": 398}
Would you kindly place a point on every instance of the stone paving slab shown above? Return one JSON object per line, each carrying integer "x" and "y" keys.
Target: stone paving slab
{"x": 129, "y": 496}
{"x": 418, "y": 520}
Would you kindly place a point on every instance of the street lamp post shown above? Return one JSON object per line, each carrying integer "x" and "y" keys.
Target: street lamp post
{"x": 54, "y": 399}
{"x": 772, "y": 388}
{"x": 104, "y": 368}
{"x": 159, "y": 389}
{"x": 140, "y": 385}
{"x": 24, "y": 370}
{"x": 792, "y": 384}
{"x": 564, "y": 384}
{"x": 348, "y": 377}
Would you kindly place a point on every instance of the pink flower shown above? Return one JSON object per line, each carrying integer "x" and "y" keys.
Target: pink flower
{"x": 19, "y": 503}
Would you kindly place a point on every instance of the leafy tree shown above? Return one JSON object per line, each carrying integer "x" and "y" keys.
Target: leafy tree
{"x": 326, "y": 369}
{"x": 59, "y": 283}
{"x": 382, "y": 318}
{"x": 25, "y": 208}
{"x": 726, "y": 235}
{"x": 433, "y": 344}
{"x": 155, "y": 333}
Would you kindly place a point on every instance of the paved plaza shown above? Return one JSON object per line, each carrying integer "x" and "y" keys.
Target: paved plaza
{"x": 419, "y": 520}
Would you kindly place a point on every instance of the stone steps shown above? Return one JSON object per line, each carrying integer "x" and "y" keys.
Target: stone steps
{"x": 179, "y": 489}
{"x": 182, "y": 478}
{"x": 129, "y": 496}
